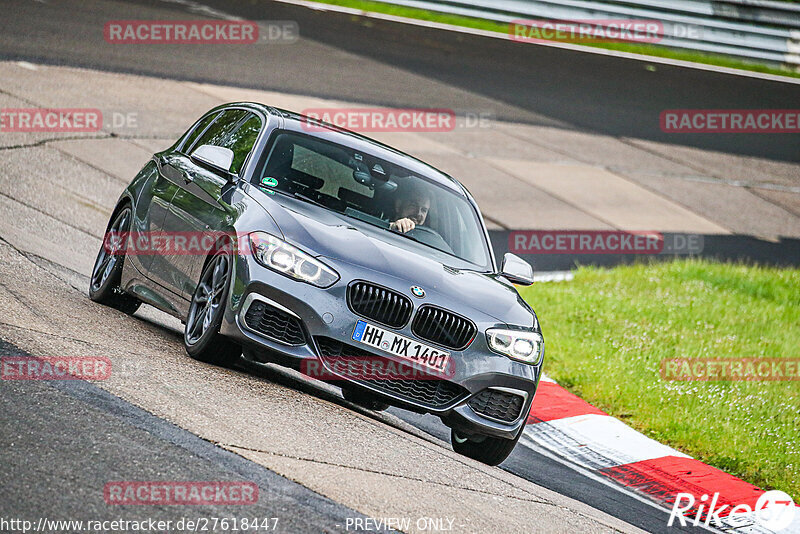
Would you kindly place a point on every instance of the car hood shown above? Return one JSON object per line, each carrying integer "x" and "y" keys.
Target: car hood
{"x": 323, "y": 233}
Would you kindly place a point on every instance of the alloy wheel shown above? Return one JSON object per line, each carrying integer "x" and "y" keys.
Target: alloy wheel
{"x": 207, "y": 299}
{"x": 111, "y": 251}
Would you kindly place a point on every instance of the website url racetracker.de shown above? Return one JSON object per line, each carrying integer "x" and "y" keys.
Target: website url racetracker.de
{"x": 108, "y": 526}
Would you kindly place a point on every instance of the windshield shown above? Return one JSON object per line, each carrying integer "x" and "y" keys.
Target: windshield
{"x": 377, "y": 192}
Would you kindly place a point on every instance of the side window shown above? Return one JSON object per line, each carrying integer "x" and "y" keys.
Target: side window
{"x": 220, "y": 129}
{"x": 197, "y": 130}
{"x": 241, "y": 141}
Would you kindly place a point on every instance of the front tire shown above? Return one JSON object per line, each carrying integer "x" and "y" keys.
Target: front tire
{"x": 489, "y": 450}
{"x": 107, "y": 271}
{"x": 201, "y": 336}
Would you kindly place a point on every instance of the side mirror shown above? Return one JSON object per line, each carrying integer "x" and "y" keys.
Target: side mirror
{"x": 218, "y": 157}
{"x": 517, "y": 270}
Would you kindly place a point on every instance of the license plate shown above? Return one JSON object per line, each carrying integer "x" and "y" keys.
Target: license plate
{"x": 401, "y": 346}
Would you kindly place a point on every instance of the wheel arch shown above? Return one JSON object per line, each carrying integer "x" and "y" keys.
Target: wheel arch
{"x": 124, "y": 200}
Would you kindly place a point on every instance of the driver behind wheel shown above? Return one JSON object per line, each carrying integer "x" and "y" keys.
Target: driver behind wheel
{"x": 410, "y": 209}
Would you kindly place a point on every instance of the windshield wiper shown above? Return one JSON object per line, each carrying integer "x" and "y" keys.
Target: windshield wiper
{"x": 304, "y": 198}
{"x": 310, "y": 200}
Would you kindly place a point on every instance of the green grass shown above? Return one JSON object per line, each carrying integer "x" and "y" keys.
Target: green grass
{"x": 608, "y": 330}
{"x": 482, "y": 24}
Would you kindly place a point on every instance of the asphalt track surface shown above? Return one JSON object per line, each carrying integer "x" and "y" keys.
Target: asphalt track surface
{"x": 373, "y": 61}
{"x": 94, "y": 437}
{"x": 383, "y": 63}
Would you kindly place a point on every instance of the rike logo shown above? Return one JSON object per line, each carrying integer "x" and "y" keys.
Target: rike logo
{"x": 774, "y": 510}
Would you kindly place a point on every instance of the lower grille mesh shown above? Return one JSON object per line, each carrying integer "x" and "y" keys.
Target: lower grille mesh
{"x": 274, "y": 323}
{"x": 434, "y": 393}
{"x": 497, "y": 404}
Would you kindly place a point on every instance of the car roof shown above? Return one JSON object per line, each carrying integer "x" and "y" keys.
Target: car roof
{"x": 296, "y": 122}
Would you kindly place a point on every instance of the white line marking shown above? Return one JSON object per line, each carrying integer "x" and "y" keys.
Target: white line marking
{"x": 26, "y": 65}
{"x": 200, "y": 9}
{"x": 598, "y": 441}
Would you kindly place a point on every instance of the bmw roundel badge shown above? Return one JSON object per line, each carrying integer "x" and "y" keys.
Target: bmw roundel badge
{"x": 417, "y": 291}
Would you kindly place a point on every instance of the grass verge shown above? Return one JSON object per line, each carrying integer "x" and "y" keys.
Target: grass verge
{"x": 607, "y": 332}
{"x": 482, "y": 24}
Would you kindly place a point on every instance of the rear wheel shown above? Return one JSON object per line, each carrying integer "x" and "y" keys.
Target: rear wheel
{"x": 363, "y": 399}
{"x": 201, "y": 335}
{"x": 107, "y": 272}
{"x": 490, "y": 450}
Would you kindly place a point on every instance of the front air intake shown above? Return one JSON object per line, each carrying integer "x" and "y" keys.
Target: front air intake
{"x": 497, "y": 404}
{"x": 274, "y": 323}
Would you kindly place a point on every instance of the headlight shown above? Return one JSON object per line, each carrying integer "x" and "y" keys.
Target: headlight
{"x": 288, "y": 260}
{"x": 519, "y": 345}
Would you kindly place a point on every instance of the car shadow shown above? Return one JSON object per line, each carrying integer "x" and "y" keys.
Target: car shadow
{"x": 293, "y": 379}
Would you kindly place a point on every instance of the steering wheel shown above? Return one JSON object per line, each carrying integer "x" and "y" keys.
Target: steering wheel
{"x": 429, "y": 236}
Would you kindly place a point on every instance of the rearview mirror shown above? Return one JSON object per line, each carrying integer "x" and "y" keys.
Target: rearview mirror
{"x": 363, "y": 177}
{"x": 218, "y": 157}
{"x": 517, "y": 270}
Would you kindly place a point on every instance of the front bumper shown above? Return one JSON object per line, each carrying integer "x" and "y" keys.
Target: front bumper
{"x": 325, "y": 316}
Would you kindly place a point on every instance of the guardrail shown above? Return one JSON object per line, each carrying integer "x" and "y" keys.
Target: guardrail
{"x": 757, "y": 30}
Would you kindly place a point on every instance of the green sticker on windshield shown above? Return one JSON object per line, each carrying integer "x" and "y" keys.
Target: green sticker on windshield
{"x": 269, "y": 181}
